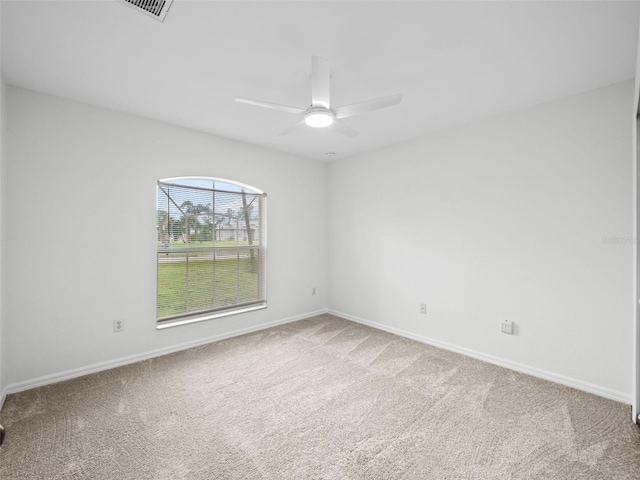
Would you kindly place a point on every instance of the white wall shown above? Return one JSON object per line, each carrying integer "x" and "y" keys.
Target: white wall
{"x": 502, "y": 219}
{"x": 3, "y": 156}
{"x": 81, "y": 231}
{"x": 635, "y": 400}
{"x": 3, "y": 141}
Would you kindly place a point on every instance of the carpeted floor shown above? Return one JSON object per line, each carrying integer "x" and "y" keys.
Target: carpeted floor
{"x": 322, "y": 398}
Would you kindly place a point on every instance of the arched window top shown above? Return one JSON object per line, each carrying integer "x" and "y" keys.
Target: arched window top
{"x": 212, "y": 183}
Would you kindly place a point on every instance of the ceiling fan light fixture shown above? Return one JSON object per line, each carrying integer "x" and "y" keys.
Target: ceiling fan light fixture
{"x": 318, "y": 119}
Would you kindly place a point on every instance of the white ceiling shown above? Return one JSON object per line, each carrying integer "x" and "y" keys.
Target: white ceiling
{"x": 455, "y": 62}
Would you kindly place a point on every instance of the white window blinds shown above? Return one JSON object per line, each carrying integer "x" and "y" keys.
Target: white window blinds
{"x": 211, "y": 249}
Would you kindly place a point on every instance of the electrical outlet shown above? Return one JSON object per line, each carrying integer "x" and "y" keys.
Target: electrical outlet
{"x": 507, "y": 327}
{"x": 313, "y": 291}
{"x": 118, "y": 325}
{"x": 423, "y": 308}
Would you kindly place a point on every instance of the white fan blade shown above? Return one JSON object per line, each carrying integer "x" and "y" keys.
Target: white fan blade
{"x": 320, "y": 95}
{"x": 340, "y": 127}
{"x": 369, "y": 105}
{"x": 275, "y": 106}
{"x": 292, "y": 128}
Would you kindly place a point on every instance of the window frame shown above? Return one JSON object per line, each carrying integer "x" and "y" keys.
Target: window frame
{"x": 261, "y": 249}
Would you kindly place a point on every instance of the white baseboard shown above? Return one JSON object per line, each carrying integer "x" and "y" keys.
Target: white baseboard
{"x": 518, "y": 367}
{"x": 3, "y": 396}
{"x": 536, "y": 372}
{"x": 97, "y": 367}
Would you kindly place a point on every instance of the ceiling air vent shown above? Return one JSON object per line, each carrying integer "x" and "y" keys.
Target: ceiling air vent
{"x": 154, "y": 8}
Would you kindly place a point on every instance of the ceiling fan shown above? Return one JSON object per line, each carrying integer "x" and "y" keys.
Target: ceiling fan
{"x": 320, "y": 114}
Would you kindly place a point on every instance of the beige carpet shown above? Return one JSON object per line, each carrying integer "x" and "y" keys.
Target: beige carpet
{"x": 322, "y": 398}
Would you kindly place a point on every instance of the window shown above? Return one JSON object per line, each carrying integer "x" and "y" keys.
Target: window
{"x": 211, "y": 249}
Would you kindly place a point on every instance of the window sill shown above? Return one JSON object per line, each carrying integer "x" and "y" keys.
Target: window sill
{"x": 201, "y": 318}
